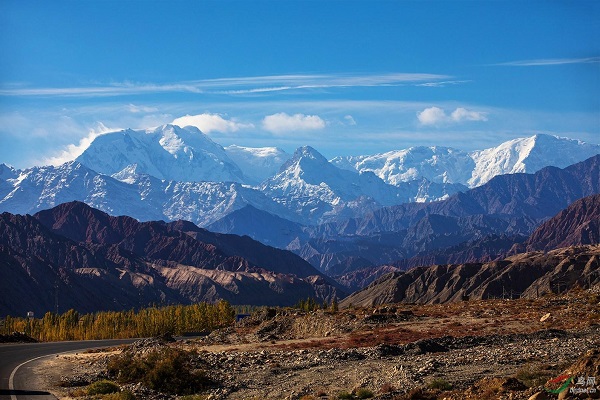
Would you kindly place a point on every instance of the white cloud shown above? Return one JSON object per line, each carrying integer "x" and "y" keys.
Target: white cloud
{"x": 73, "y": 151}
{"x": 211, "y": 123}
{"x": 282, "y": 122}
{"x": 437, "y": 116}
{"x": 462, "y": 114}
{"x": 432, "y": 116}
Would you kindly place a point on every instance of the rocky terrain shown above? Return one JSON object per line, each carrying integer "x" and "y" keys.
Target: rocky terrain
{"x": 577, "y": 224}
{"x": 493, "y": 349}
{"x": 522, "y": 275}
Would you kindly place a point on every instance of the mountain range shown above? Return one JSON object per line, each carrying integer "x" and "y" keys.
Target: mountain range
{"x": 180, "y": 173}
{"x": 571, "y": 257}
{"x": 522, "y": 275}
{"x": 508, "y": 206}
{"x": 447, "y": 165}
{"x": 351, "y": 218}
{"x": 79, "y": 257}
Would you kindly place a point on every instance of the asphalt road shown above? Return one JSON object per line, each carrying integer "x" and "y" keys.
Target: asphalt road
{"x": 20, "y": 357}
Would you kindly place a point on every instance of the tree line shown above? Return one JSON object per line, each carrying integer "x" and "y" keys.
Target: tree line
{"x": 153, "y": 321}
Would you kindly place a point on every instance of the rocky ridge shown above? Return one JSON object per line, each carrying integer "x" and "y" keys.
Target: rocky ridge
{"x": 524, "y": 275}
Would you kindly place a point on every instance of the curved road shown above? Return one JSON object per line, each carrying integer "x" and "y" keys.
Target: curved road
{"x": 15, "y": 358}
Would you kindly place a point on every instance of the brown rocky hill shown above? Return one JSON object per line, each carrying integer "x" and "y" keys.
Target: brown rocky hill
{"x": 522, "y": 275}
{"x": 577, "y": 224}
{"x": 82, "y": 258}
{"x": 180, "y": 242}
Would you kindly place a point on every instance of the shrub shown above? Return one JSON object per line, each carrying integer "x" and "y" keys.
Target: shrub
{"x": 532, "y": 376}
{"x": 439, "y": 383}
{"x": 344, "y": 395}
{"x": 124, "y": 395}
{"x": 166, "y": 370}
{"x": 363, "y": 393}
{"x": 102, "y": 387}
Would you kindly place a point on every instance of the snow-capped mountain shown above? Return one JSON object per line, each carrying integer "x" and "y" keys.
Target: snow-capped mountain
{"x": 167, "y": 152}
{"x": 258, "y": 163}
{"x": 528, "y": 155}
{"x": 307, "y": 190}
{"x": 447, "y": 165}
{"x": 126, "y": 173}
{"x": 141, "y": 196}
{"x": 312, "y": 187}
{"x": 436, "y": 164}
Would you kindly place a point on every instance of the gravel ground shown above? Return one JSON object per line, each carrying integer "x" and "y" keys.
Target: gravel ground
{"x": 477, "y": 348}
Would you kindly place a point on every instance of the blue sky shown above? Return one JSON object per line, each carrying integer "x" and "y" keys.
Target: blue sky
{"x": 346, "y": 77}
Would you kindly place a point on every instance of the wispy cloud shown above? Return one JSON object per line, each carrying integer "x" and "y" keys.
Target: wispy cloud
{"x": 437, "y": 116}
{"x": 211, "y": 123}
{"x": 282, "y": 122}
{"x": 236, "y": 86}
{"x": 551, "y": 61}
{"x": 141, "y": 109}
{"x": 441, "y": 83}
{"x": 349, "y": 119}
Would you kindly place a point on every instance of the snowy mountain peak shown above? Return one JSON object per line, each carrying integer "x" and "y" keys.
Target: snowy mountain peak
{"x": 308, "y": 152}
{"x": 436, "y": 164}
{"x": 168, "y": 152}
{"x": 447, "y": 165}
{"x": 258, "y": 163}
{"x": 305, "y": 159}
{"x": 528, "y": 155}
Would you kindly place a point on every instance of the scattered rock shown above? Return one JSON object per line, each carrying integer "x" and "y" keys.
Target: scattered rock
{"x": 545, "y": 317}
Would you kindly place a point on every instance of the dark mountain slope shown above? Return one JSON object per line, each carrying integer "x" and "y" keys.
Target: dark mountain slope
{"x": 180, "y": 242}
{"x": 267, "y": 257}
{"x": 39, "y": 268}
{"x": 151, "y": 241}
{"x": 93, "y": 261}
{"x": 527, "y": 275}
{"x": 576, "y": 225}
{"x": 261, "y": 225}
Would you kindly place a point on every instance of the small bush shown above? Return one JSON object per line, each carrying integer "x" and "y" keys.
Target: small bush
{"x": 418, "y": 394}
{"x": 124, "y": 395}
{"x": 103, "y": 387}
{"x": 532, "y": 376}
{"x": 344, "y": 395}
{"x": 80, "y": 392}
{"x": 363, "y": 393}
{"x": 440, "y": 384}
{"x": 167, "y": 370}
